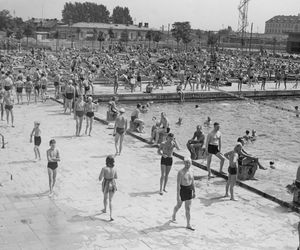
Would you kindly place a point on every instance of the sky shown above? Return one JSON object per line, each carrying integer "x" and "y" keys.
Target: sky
{"x": 202, "y": 14}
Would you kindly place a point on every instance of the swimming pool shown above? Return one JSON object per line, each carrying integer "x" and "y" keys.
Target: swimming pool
{"x": 278, "y": 133}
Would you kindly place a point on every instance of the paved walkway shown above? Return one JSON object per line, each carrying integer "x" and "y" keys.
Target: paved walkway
{"x": 270, "y": 86}
{"x": 29, "y": 219}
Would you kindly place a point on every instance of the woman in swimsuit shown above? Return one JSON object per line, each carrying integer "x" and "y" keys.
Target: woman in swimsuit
{"x": 109, "y": 187}
{"x": 36, "y": 132}
{"x": 52, "y": 157}
{"x": 8, "y": 106}
{"x": 79, "y": 109}
{"x": 28, "y": 88}
{"x": 19, "y": 89}
{"x": 89, "y": 113}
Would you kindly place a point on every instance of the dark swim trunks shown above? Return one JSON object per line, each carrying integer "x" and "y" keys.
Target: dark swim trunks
{"x": 69, "y": 96}
{"x": 90, "y": 114}
{"x": 19, "y": 89}
{"x": 79, "y": 113}
{"x": 186, "y": 192}
{"x": 52, "y": 165}
{"x": 37, "y": 140}
{"x": 120, "y": 131}
{"x": 232, "y": 170}
{"x": 7, "y": 88}
{"x": 167, "y": 161}
{"x": 56, "y": 84}
{"x": 43, "y": 86}
{"x": 213, "y": 149}
{"x": 8, "y": 107}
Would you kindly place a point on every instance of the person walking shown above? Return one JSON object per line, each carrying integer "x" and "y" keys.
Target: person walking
{"x": 185, "y": 192}
{"x": 109, "y": 186}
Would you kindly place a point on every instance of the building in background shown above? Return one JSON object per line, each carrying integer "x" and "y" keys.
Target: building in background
{"x": 293, "y": 43}
{"x": 87, "y": 31}
{"x": 281, "y": 25}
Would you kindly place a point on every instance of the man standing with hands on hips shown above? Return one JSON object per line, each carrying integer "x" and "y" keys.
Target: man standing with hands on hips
{"x": 213, "y": 147}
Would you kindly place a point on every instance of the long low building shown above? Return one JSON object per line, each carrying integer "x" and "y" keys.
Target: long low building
{"x": 88, "y": 31}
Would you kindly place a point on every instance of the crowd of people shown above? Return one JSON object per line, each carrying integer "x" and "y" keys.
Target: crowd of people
{"x": 73, "y": 73}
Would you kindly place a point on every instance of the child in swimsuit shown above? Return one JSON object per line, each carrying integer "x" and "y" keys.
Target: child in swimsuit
{"x": 36, "y": 132}
{"x": 52, "y": 157}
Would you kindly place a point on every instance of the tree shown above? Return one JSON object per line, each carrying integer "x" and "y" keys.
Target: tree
{"x": 149, "y": 36}
{"x": 19, "y": 34}
{"x": 85, "y": 12}
{"x": 198, "y": 35}
{"x": 121, "y": 15}
{"x": 157, "y": 37}
{"x": 100, "y": 38}
{"x": 5, "y": 20}
{"x": 212, "y": 39}
{"x": 28, "y": 32}
{"x": 274, "y": 42}
{"x": 124, "y": 36}
{"x": 181, "y": 31}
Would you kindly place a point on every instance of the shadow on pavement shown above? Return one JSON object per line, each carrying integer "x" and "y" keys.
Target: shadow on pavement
{"x": 169, "y": 225}
{"x": 208, "y": 202}
{"x": 21, "y": 162}
{"x": 99, "y": 156}
{"x": 64, "y": 136}
{"x": 45, "y": 193}
{"x": 94, "y": 217}
{"x": 143, "y": 194}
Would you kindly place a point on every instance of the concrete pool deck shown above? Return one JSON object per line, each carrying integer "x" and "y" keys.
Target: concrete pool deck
{"x": 168, "y": 94}
{"x": 29, "y": 219}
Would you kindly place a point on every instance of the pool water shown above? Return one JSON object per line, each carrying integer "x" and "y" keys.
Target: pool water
{"x": 278, "y": 133}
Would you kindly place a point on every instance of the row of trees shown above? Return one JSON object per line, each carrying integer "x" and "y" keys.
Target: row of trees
{"x": 92, "y": 12}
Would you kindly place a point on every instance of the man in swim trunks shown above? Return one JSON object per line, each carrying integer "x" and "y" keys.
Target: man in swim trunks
{"x": 213, "y": 147}
{"x": 185, "y": 191}
{"x": 52, "y": 157}
{"x": 90, "y": 107}
{"x": 8, "y": 82}
{"x": 70, "y": 96}
{"x": 36, "y": 132}
{"x": 166, "y": 151}
{"x": 232, "y": 171}
{"x": 8, "y": 102}
{"x": 120, "y": 130}
{"x": 79, "y": 109}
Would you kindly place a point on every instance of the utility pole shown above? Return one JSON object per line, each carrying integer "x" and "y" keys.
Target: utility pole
{"x": 250, "y": 43}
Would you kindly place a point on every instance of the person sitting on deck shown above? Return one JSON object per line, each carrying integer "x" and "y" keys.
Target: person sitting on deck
{"x": 135, "y": 119}
{"x": 112, "y": 107}
{"x": 195, "y": 144}
{"x": 164, "y": 122}
{"x": 149, "y": 88}
{"x": 245, "y": 158}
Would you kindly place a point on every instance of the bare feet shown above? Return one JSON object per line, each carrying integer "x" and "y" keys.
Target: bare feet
{"x": 190, "y": 228}
{"x": 160, "y": 192}
{"x": 165, "y": 191}
{"x": 233, "y": 199}
{"x": 226, "y": 195}
{"x": 111, "y": 219}
{"x": 103, "y": 210}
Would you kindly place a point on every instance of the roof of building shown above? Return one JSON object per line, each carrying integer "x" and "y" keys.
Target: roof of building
{"x": 106, "y": 26}
{"x": 284, "y": 19}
